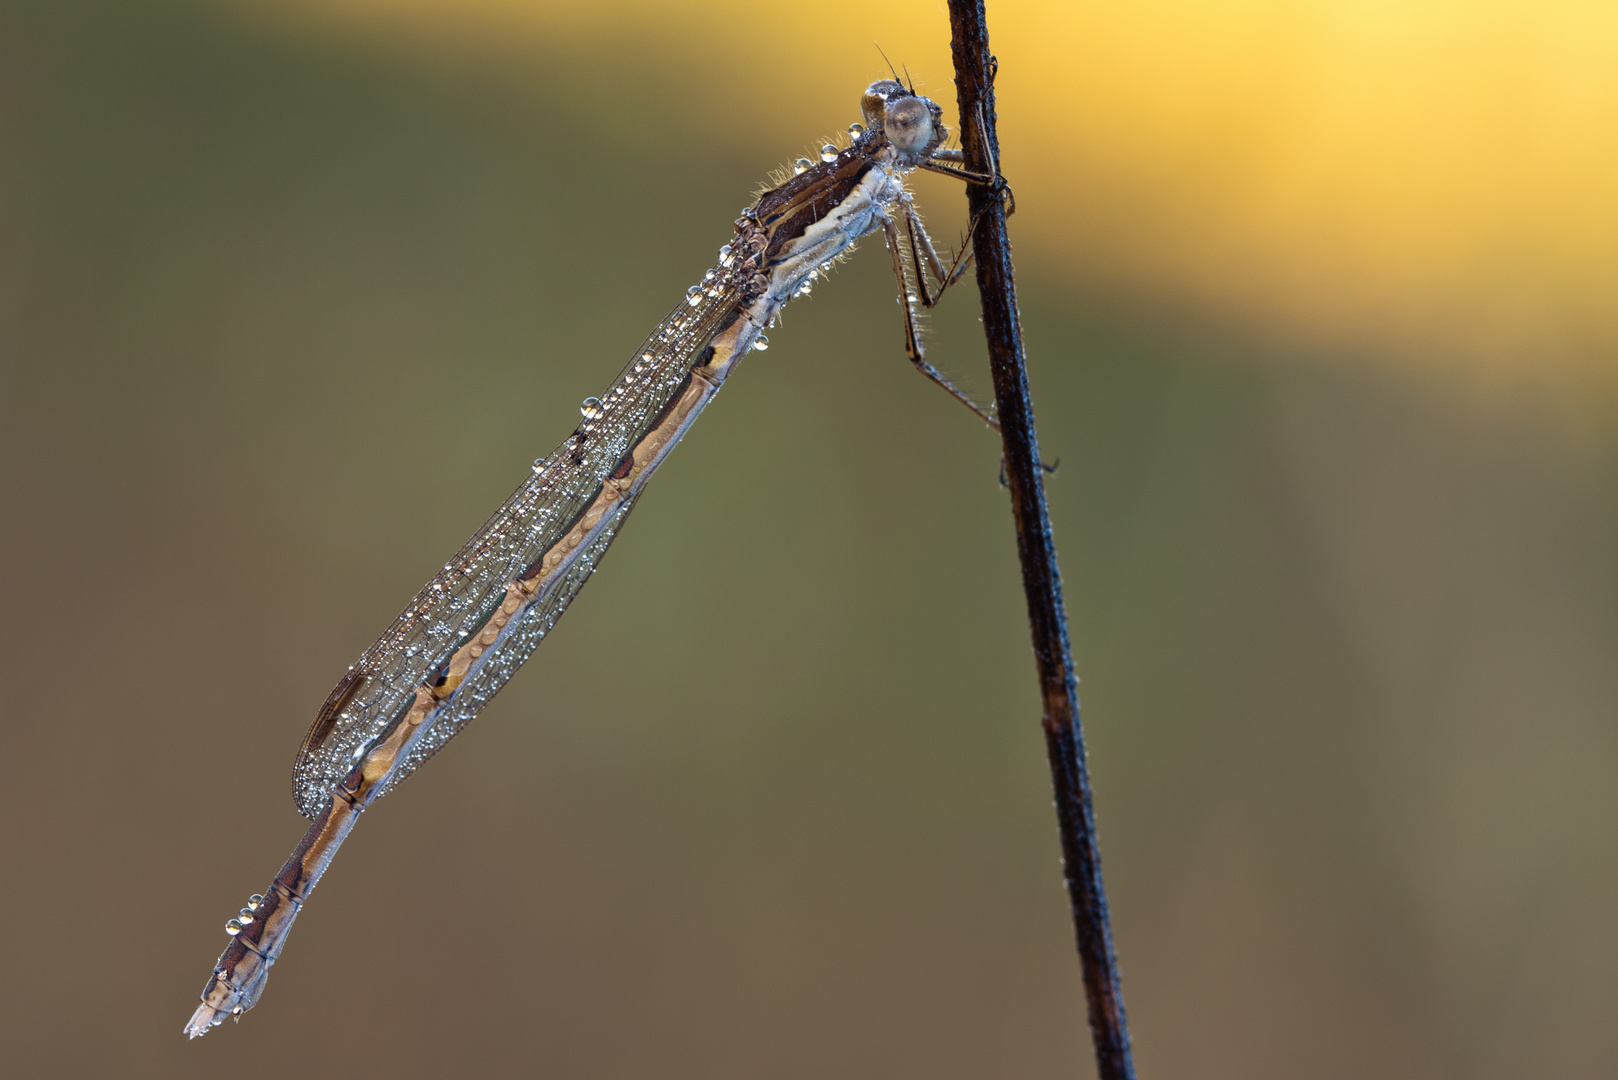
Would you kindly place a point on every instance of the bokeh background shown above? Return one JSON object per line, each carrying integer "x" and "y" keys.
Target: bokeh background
{"x": 1320, "y": 304}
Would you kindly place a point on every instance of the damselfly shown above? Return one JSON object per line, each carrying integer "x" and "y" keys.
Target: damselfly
{"x": 474, "y": 624}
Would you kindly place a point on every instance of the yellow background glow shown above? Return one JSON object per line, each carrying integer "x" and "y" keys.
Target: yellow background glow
{"x": 1317, "y": 302}
{"x": 1428, "y": 182}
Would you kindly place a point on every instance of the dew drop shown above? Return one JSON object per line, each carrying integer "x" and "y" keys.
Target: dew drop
{"x": 255, "y": 900}
{"x": 828, "y": 153}
{"x": 591, "y": 409}
{"x": 539, "y": 464}
{"x": 761, "y": 343}
{"x": 800, "y": 166}
{"x": 693, "y": 295}
{"x": 246, "y": 915}
{"x": 709, "y": 276}
{"x": 233, "y": 928}
{"x": 856, "y": 130}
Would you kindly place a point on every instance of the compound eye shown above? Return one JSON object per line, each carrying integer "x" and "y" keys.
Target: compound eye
{"x": 874, "y": 104}
{"x": 908, "y": 125}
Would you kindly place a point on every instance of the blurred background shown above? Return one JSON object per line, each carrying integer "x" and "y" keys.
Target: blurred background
{"x": 1320, "y": 306}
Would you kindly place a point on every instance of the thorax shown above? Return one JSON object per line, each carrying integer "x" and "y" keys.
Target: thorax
{"x": 812, "y": 218}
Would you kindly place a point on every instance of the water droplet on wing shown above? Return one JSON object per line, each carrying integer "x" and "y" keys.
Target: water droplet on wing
{"x": 761, "y": 343}
{"x": 828, "y": 153}
{"x": 800, "y": 166}
{"x": 591, "y": 409}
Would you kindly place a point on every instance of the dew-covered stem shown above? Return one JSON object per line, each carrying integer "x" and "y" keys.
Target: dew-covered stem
{"x": 1036, "y": 548}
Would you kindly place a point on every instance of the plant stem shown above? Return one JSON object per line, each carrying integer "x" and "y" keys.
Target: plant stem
{"x": 1064, "y": 736}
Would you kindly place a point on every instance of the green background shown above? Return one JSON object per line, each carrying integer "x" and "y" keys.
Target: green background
{"x": 283, "y": 317}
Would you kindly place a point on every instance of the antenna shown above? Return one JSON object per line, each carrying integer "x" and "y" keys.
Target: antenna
{"x": 888, "y": 62}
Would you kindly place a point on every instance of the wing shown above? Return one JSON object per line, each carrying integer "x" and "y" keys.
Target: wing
{"x": 512, "y": 648}
{"x": 460, "y": 598}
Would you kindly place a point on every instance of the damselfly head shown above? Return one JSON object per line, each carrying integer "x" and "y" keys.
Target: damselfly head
{"x": 914, "y": 125}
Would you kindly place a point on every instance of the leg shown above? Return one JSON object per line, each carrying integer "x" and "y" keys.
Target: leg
{"x": 922, "y": 245}
{"x": 933, "y": 164}
{"x": 947, "y": 163}
{"x": 951, "y": 162}
{"x": 1049, "y": 470}
{"x": 939, "y": 163}
{"x": 913, "y": 348}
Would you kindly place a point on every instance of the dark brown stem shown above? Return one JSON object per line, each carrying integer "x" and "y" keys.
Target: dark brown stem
{"x": 1064, "y": 737}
